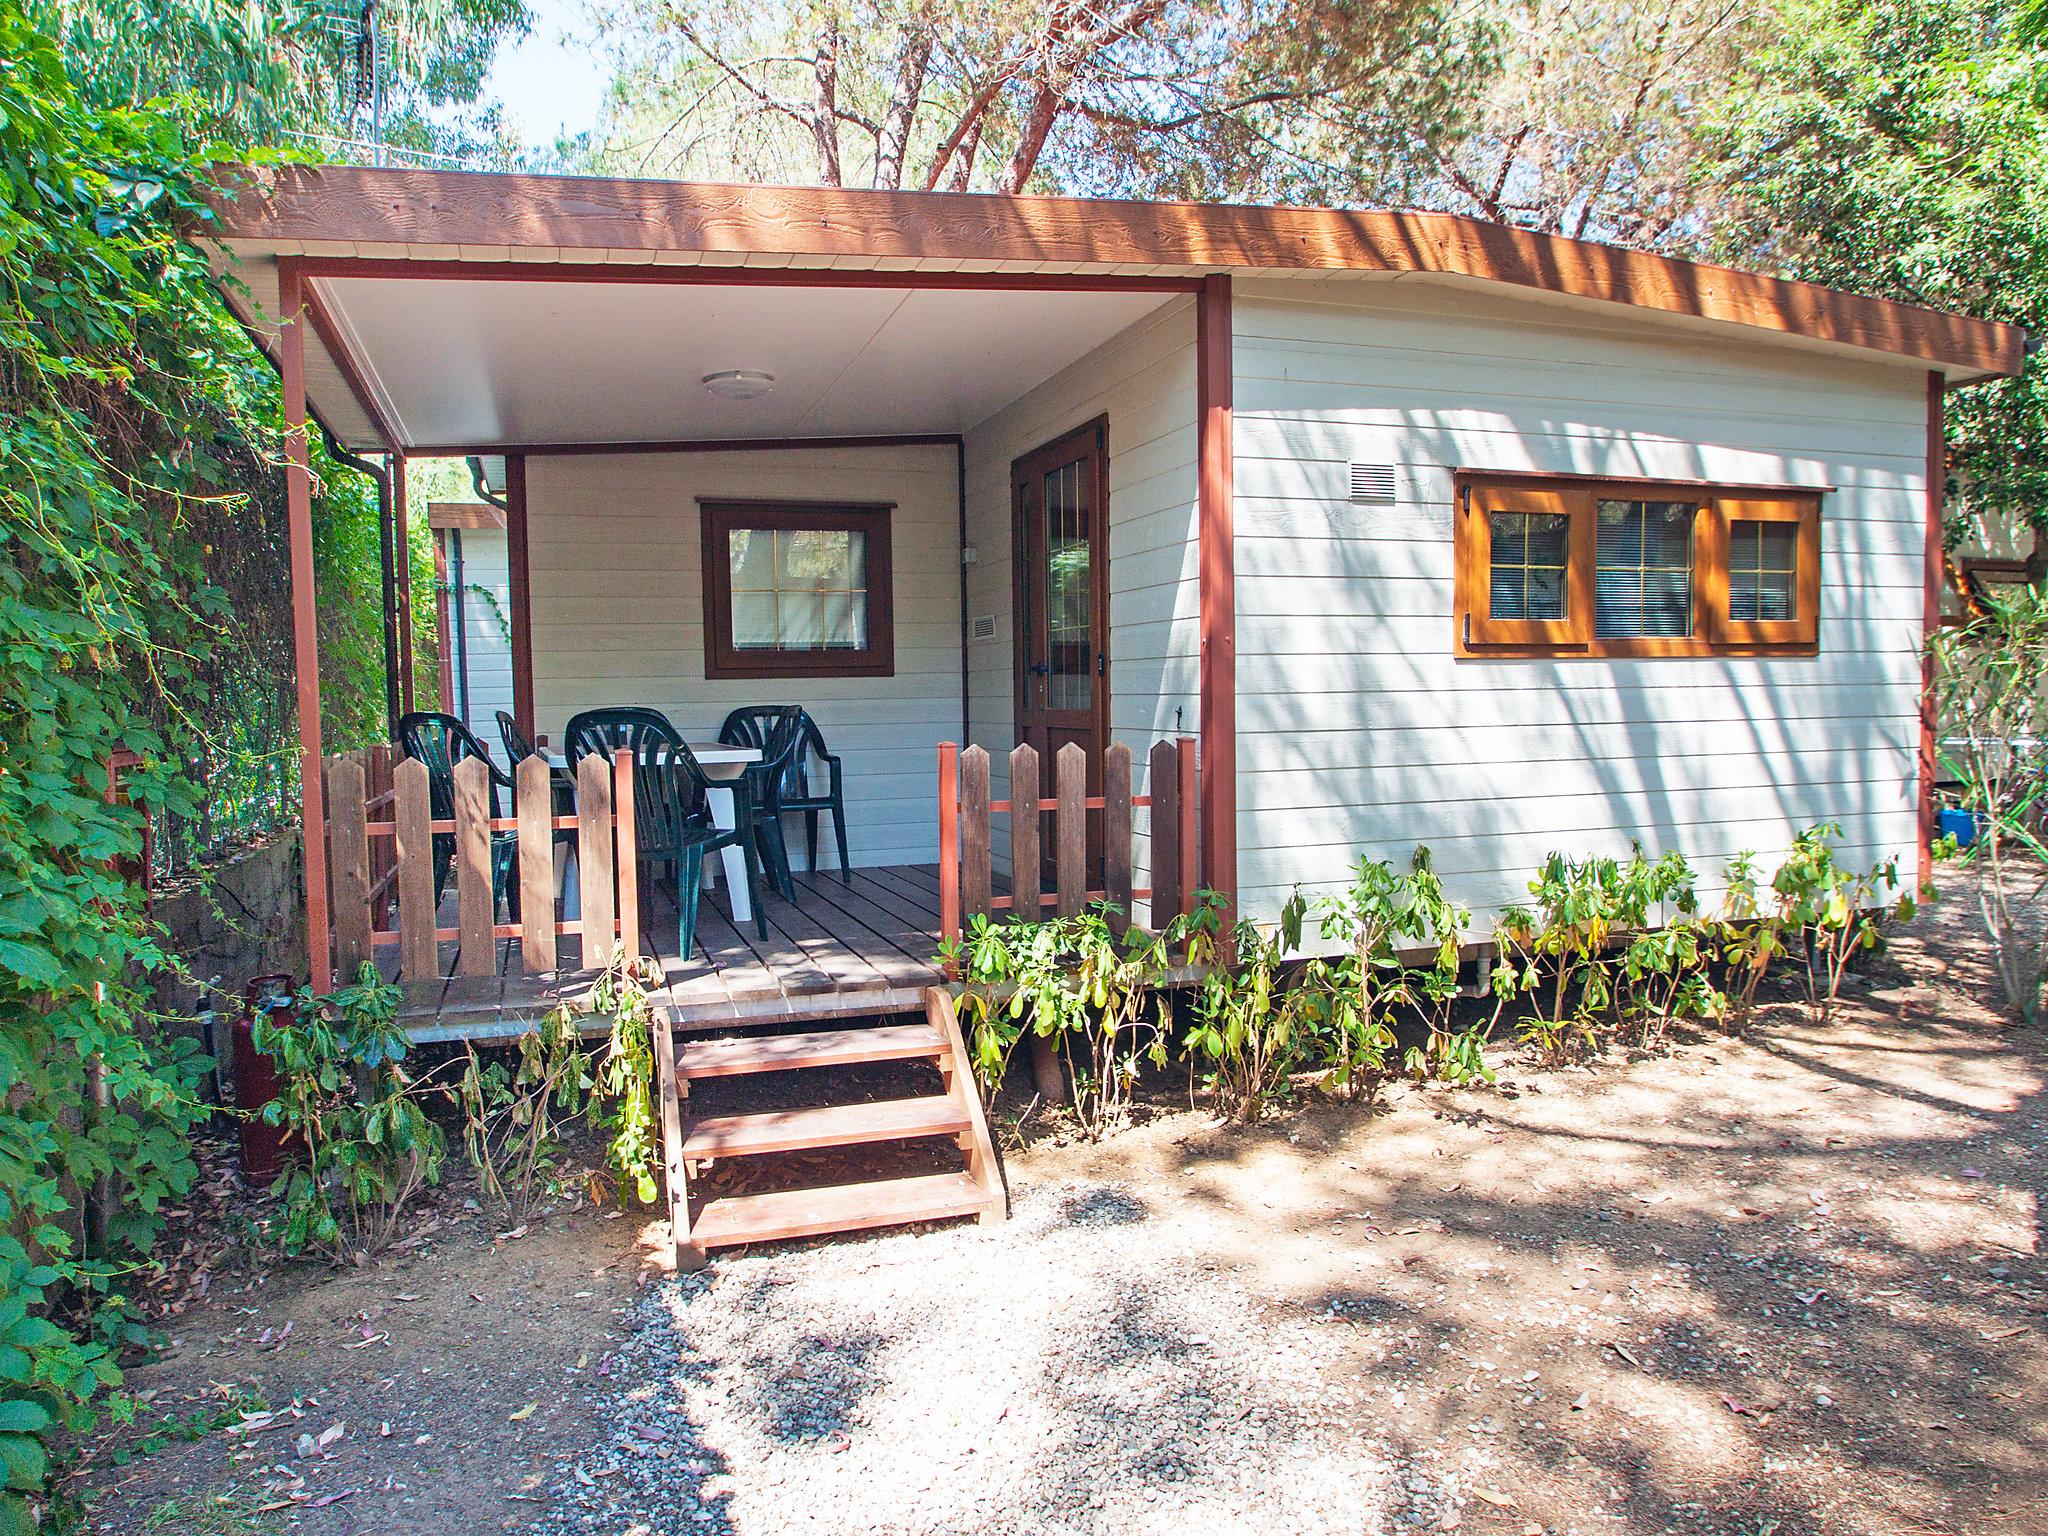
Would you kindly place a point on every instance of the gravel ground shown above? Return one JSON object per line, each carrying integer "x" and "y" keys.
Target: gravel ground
{"x": 1785, "y": 1285}
{"x": 1071, "y": 1371}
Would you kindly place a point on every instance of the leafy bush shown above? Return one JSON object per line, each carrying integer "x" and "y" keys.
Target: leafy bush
{"x": 1384, "y": 915}
{"x": 365, "y": 1147}
{"x": 1075, "y": 981}
{"x": 626, "y": 1108}
{"x": 1596, "y": 948}
{"x": 1254, "y": 1023}
{"x": 512, "y": 1116}
{"x": 1835, "y": 913}
{"x": 1992, "y": 686}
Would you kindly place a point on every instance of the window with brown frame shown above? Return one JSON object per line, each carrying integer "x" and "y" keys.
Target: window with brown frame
{"x": 797, "y": 589}
{"x": 1558, "y": 566}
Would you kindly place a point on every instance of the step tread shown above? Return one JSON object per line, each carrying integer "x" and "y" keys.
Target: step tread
{"x": 741, "y": 1055}
{"x": 836, "y": 1208}
{"x": 834, "y": 1125}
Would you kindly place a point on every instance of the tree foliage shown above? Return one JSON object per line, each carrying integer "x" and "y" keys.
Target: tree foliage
{"x": 1901, "y": 148}
{"x": 1159, "y": 97}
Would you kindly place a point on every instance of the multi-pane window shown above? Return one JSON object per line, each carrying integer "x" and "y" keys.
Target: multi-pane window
{"x": 1763, "y": 570}
{"x": 1527, "y": 565}
{"x": 1553, "y": 566}
{"x": 1642, "y": 571}
{"x": 796, "y": 589}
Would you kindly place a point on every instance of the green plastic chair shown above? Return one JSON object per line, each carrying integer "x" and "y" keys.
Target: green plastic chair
{"x": 441, "y": 741}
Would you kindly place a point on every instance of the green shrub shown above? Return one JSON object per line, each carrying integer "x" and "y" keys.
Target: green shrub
{"x": 364, "y": 1146}
{"x": 1081, "y": 984}
{"x": 1255, "y": 1023}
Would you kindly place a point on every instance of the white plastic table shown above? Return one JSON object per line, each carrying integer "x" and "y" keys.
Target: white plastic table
{"x": 719, "y": 762}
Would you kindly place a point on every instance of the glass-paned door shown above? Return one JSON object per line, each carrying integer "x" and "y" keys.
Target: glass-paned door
{"x": 1062, "y": 547}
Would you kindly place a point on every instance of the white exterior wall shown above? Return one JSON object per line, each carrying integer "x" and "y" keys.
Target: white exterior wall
{"x": 1358, "y": 730}
{"x": 1144, "y": 380}
{"x": 486, "y": 615}
{"x": 614, "y": 553}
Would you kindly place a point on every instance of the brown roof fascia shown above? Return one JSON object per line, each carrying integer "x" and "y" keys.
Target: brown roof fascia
{"x": 397, "y": 206}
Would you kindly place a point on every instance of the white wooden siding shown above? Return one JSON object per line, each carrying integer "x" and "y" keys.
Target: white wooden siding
{"x": 486, "y": 615}
{"x": 1144, "y": 381}
{"x": 1360, "y": 733}
{"x": 618, "y": 613}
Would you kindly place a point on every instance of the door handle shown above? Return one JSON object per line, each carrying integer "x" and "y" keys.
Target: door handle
{"x": 1040, "y": 669}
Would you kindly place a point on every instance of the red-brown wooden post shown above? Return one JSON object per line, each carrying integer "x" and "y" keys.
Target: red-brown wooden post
{"x": 298, "y": 498}
{"x": 594, "y": 858}
{"x": 418, "y": 955}
{"x": 1216, "y": 536}
{"x": 626, "y": 838}
{"x": 377, "y": 789}
{"x": 533, "y": 793}
{"x": 1026, "y": 870}
{"x": 476, "y": 901}
{"x": 976, "y": 885}
{"x": 949, "y": 840}
{"x": 1070, "y": 829}
{"x": 1116, "y": 834}
{"x": 349, "y": 844}
{"x": 519, "y": 573}
{"x": 1937, "y": 489}
{"x": 401, "y": 520}
{"x": 1163, "y": 789}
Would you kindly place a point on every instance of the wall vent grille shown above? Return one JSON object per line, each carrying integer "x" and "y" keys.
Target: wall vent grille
{"x": 1372, "y": 485}
{"x": 984, "y": 626}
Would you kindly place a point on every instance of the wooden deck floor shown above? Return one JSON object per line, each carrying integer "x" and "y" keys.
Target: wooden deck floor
{"x": 840, "y": 948}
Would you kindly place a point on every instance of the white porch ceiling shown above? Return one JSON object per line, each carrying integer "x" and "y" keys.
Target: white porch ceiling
{"x": 462, "y": 363}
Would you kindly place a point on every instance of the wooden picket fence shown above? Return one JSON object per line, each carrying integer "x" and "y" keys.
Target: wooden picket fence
{"x": 380, "y": 833}
{"x": 966, "y": 879}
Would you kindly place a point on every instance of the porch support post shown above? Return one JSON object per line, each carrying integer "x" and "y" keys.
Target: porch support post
{"x": 298, "y": 491}
{"x": 522, "y": 591}
{"x": 1937, "y": 484}
{"x": 1216, "y": 523}
{"x": 441, "y": 628}
{"x": 387, "y": 556}
{"x": 401, "y": 523}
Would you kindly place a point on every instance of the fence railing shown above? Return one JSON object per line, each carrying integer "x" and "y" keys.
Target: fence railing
{"x": 966, "y": 813}
{"x": 381, "y": 832}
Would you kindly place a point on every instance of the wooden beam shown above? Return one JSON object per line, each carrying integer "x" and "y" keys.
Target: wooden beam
{"x": 298, "y": 495}
{"x": 399, "y": 206}
{"x": 516, "y": 557}
{"x": 1216, "y": 532}
{"x": 1931, "y": 580}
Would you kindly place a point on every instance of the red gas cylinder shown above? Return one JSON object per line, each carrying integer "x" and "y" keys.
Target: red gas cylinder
{"x": 256, "y": 1082}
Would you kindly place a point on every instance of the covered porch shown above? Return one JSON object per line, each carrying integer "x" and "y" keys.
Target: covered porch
{"x": 759, "y": 371}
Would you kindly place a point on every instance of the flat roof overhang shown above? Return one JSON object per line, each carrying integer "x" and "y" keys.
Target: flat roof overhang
{"x": 354, "y": 225}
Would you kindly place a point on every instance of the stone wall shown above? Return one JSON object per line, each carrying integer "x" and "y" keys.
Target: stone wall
{"x": 246, "y": 919}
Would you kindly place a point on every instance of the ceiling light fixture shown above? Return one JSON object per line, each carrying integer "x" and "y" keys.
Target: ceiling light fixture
{"x": 739, "y": 383}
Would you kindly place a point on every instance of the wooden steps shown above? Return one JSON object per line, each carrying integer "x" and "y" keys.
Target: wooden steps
{"x": 700, "y": 1059}
{"x": 954, "y": 1113}
{"x": 837, "y": 1208}
{"x": 835, "y": 1125}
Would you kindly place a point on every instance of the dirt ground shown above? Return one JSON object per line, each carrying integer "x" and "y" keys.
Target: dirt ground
{"x": 1765, "y": 1287}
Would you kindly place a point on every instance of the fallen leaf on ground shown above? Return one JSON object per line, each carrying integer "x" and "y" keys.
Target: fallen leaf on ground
{"x": 1623, "y": 1351}
{"x": 1500, "y": 1500}
{"x": 523, "y": 1413}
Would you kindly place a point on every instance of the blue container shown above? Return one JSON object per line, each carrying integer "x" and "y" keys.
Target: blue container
{"x": 1961, "y": 824}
